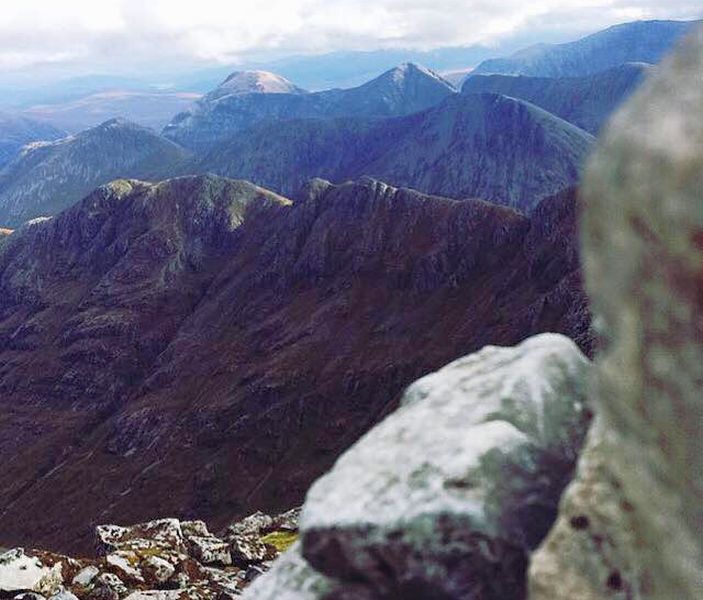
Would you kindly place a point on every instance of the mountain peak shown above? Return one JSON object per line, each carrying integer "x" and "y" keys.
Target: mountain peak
{"x": 254, "y": 82}
{"x": 409, "y": 71}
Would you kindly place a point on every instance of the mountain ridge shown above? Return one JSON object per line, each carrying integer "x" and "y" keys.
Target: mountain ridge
{"x": 231, "y": 343}
{"x": 399, "y": 91}
{"x": 48, "y": 177}
{"x": 488, "y": 146}
{"x": 586, "y": 102}
{"x": 637, "y": 41}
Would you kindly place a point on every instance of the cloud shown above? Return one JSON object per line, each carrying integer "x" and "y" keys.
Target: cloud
{"x": 137, "y": 32}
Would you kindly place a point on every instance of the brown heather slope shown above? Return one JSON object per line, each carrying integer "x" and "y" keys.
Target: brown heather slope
{"x": 203, "y": 347}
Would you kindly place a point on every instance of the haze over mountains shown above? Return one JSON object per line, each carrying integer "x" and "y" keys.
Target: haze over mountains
{"x": 146, "y": 108}
{"x": 406, "y": 126}
{"x": 639, "y": 41}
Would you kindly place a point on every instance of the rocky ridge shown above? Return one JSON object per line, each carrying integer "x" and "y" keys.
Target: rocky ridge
{"x": 165, "y": 559}
{"x": 484, "y": 146}
{"x": 215, "y": 347}
{"x": 49, "y": 177}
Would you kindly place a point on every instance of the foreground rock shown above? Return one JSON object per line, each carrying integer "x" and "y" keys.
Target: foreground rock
{"x": 165, "y": 559}
{"x": 630, "y": 525}
{"x": 446, "y": 497}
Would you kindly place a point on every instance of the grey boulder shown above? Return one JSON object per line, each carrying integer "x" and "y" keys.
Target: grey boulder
{"x": 446, "y": 497}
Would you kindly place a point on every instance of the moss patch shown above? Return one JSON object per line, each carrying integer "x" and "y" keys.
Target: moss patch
{"x": 280, "y": 540}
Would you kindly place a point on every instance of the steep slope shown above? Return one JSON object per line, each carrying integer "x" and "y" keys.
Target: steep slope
{"x": 17, "y": 131}
{"x": 639, "y": 41}
{"x": 587, "y": 102}
{"x": 48, "y": 177}
{"x": 202, "y": 346}
{"x": 149, "y": 109}
{"x": 400, "y": 91}
{"x": 487, "y": 146}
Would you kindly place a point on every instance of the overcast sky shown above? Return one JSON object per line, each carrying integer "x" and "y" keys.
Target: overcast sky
{"x": 118, "y": 35}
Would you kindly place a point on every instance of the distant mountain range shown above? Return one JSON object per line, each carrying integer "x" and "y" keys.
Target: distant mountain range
{"x": 409, "y": 127}
{"x": 50, "y": 176}
{"x": 220, "y": 114}
{"x": 17, "y": 131}
{"x": 469, "y": 146}
{"x": 147, "y": 108}
{"x": 639, "y": 41}
{"x": 215, "y": 346}
{"x": 587, "y": 101}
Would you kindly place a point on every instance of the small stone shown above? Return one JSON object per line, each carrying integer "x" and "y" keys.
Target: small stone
{"x": 19, "y": 571}
{"x": 86, "y": 576}
{"x": 64, "y": 595}
{"x": 52, "y": 582}
{"x": 124, "y": 561}
{"x": 209, "y": 550}
{"x": 194, "y": 529}
{"x": 29, "y": 596}
{"x": 252, "y": 525}
{"x": 247, "y": 550}
{"x": 159, "y": 569}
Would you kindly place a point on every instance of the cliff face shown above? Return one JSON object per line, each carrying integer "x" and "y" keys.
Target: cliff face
{"x": 202, "y": 346}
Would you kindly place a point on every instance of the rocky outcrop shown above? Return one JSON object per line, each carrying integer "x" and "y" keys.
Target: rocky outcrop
{"x": 49, "y": 177}
{"x": 215, "y": 347}
{"x": 239, "y": 103}
{"x": 586, "y": 102}
{"x": 629, "y": 525}
{"x": 166, "y": 559}
{"x": 639, "y": 41}
{"x": 470, "y": 146}
{"x": 403, "y": 515}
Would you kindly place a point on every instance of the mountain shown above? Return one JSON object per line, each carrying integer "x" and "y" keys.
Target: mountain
{"x": 639, "y": 41}
{"x": 240, "y": 83}
{"x": 486, "y": 146}
{"x": 150, "y": 109}
{"x": 17, "y": 131}
{"x": 587, "y": 101}
{"x": 219, "y": 115}
{"x": 203, "y": 346}
{"x": 48, "y": 177}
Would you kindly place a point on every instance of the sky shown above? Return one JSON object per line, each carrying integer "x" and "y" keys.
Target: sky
{"x": 121, "y": 36}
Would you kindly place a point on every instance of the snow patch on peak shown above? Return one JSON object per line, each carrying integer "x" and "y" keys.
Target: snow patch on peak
{"x": 254, "y": 82}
